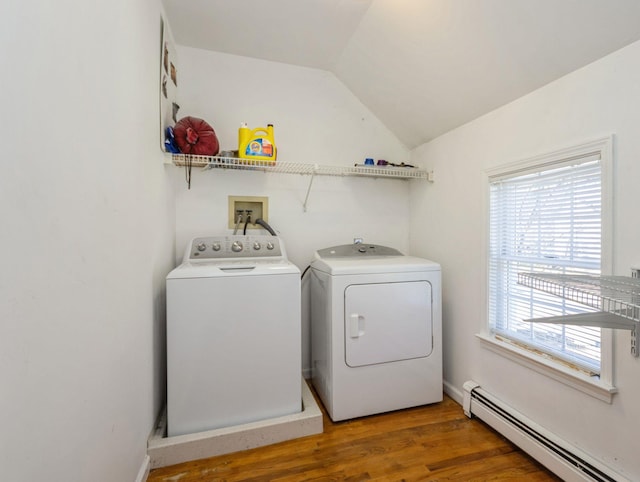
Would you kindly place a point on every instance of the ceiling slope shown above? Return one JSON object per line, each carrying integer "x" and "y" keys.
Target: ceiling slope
{"x": 423, "y": 67}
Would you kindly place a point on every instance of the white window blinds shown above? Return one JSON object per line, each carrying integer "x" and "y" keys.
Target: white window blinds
{"x": 547, "y": 220}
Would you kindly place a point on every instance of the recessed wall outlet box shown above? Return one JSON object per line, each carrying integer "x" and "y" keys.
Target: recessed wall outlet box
{"x": 242, "y": 206}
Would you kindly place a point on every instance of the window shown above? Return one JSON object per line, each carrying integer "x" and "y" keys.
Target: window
{"x": 548, "y": 215}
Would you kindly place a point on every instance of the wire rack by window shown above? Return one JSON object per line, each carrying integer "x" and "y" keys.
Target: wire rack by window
{"x": 618, "y": 295}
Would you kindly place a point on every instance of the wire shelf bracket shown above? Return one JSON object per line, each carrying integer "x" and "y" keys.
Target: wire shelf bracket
{"x": 306, "y": 198}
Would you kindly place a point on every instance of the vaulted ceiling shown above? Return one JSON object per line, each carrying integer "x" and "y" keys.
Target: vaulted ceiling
{"x": 423, "y": 67}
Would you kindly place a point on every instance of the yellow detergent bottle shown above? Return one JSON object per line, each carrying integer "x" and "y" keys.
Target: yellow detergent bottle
{"x": 257, "y": 144}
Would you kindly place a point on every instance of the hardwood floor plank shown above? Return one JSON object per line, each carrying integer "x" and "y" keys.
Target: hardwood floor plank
{"x": 511, "y": 466}
{"x": 435, "y": 442}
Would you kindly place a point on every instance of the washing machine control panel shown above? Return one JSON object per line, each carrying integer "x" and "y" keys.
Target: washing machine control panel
{"x": 223, "y": 247}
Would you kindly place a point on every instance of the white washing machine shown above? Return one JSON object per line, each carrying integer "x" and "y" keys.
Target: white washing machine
{"x": 376, "y": 330}
{"x": 233, "y": 334}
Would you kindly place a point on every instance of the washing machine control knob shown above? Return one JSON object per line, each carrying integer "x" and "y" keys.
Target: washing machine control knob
{"x": 236, "y": 247}
{"x": 215, "y": 246}
{"x": 270, "y": 245}
{"x": 257, "y": 246}
{"x": 202, "y": 247}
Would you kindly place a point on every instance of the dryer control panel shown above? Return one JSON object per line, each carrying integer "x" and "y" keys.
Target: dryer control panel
{"x": 225, "y": 247}
{"x": 357, "y": 250}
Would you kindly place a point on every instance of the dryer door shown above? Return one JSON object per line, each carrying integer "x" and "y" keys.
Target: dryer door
{"x": 386, "y": 322}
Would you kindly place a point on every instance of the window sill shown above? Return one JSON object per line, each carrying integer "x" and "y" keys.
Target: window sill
{"x": 580, "y": 381}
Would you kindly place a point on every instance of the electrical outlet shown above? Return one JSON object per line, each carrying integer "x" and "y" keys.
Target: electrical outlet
{"x": 241, "y": 205}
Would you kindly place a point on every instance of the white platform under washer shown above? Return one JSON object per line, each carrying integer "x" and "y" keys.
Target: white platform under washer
{"x": 233, "y": 334}
{"x": 376, "y": 330}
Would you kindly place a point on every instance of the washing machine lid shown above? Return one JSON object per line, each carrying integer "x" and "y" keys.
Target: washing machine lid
{"x": 368, "y": 259}
{"x": 226, "y": 269}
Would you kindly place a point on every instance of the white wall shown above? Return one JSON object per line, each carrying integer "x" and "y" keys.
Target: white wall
{"x": 87, "y": 238}
{"x": 316, "y": 120}
{"x": 448, "y": 223}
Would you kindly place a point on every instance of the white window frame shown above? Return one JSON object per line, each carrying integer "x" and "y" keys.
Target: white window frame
{"x": 601, "y": 387}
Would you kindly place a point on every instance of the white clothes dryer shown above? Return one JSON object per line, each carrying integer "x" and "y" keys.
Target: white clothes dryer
{"x": 233, "y": 334}
{"x": 376, "y": 330}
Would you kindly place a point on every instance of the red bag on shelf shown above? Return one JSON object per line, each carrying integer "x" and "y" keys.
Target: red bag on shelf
{"x": 195, "y": 136}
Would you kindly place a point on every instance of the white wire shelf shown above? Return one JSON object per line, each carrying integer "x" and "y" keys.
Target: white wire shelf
{"x": 618, "y": 295}
{"x": 617, "y": 299}
{"x": 216, "y": 162}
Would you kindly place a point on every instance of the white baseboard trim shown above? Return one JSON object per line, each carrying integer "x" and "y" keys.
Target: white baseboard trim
{"x": 453, "y": 392}
{"x": 143, "y": 473}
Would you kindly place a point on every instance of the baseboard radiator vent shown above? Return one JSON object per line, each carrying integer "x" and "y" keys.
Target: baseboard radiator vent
{"x": 566, "y": 461}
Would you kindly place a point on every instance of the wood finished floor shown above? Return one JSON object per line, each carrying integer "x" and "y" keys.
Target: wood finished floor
{"x": 435, "y": 442}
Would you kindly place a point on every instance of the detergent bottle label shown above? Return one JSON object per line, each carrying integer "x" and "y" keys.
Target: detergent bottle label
{"x": 259, "y": 147}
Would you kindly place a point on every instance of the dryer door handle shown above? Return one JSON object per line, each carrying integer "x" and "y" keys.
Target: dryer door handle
{"x": 356, "y": 325}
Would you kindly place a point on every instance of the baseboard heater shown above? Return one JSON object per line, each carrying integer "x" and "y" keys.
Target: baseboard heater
{"x": 566, "y": 461}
